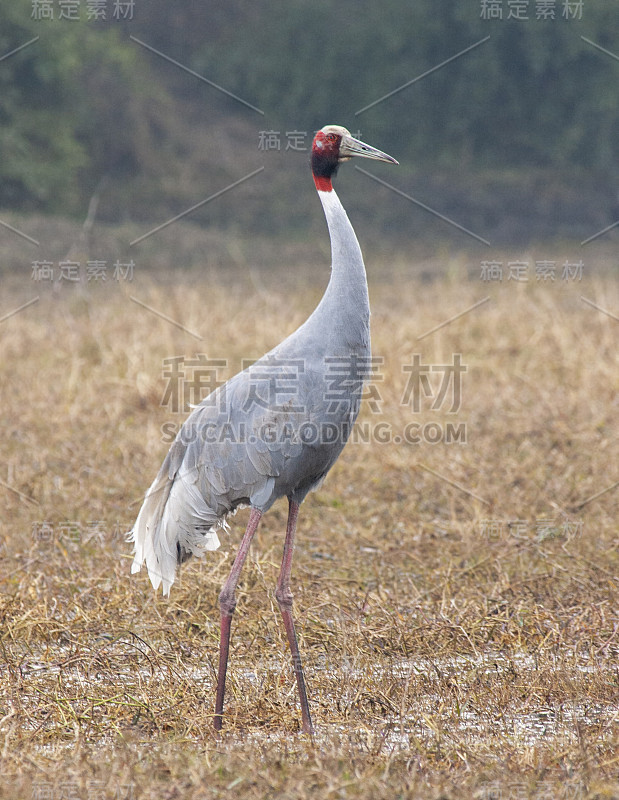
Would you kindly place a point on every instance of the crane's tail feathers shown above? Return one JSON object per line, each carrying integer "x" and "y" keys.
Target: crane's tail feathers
{"x": 163, "y": 538}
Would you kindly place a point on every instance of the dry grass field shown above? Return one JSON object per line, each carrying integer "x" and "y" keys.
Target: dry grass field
{"x": 455, "y": 578}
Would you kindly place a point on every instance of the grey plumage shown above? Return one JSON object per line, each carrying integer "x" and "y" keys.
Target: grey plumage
{"x": 273, "y": 430}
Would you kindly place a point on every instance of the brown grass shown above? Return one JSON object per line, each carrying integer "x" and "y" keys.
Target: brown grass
{"x": 460, "y": 636}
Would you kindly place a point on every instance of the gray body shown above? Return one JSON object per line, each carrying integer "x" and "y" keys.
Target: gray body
{"x": 273, "y": 430}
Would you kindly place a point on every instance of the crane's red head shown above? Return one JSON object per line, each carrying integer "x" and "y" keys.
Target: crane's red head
{"x": 334, "y": 144}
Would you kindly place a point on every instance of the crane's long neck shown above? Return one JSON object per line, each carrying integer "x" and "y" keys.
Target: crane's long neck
{"x": 345, "y": 305}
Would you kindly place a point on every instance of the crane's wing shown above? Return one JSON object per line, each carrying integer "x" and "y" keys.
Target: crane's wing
{"x": 242, "y": 445}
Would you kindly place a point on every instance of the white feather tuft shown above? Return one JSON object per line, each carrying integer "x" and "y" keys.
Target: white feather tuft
{"x": 173, "y": 514}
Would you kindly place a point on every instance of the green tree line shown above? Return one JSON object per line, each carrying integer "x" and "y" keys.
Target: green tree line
{"x": 85, "y": 101}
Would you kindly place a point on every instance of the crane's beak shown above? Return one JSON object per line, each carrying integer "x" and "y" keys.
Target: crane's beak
{"x": 349, "y": 146}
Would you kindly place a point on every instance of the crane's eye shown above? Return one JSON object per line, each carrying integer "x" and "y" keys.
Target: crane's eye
{"x": 331, "y": 137}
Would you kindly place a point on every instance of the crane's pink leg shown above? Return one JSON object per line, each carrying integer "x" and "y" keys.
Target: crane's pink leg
{"x": 227, "y": 604}
{"x": 284, "y": 598}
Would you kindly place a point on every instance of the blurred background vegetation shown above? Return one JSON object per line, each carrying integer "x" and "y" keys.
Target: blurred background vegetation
{"x": 516, "y": 139}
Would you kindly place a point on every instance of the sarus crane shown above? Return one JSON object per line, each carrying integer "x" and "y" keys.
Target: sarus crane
{"x": 273, "y": 430}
